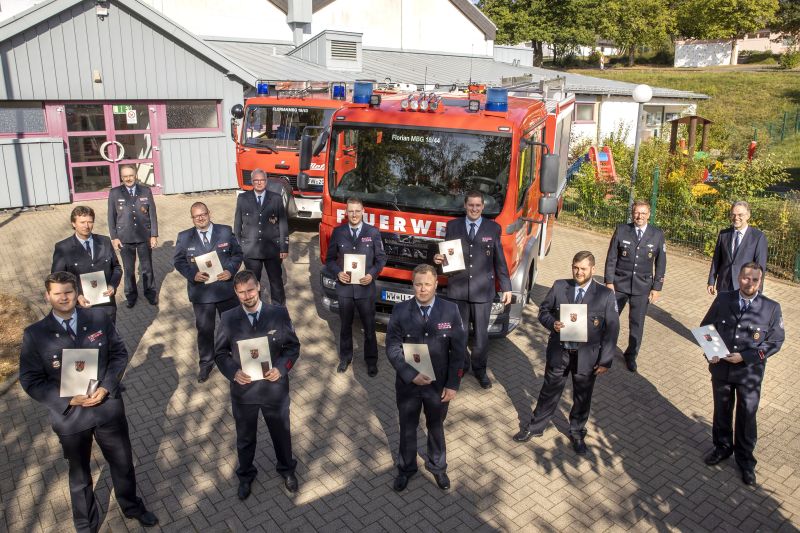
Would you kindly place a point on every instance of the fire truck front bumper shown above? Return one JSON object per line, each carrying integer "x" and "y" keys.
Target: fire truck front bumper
{"x": 308, "y": 207}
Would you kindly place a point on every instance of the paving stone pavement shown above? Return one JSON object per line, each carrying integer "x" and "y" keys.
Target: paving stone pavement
{"x": 647, "y": 434}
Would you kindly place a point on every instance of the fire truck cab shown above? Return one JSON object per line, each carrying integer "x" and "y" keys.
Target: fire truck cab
{"x": 267, "y": 132}
{"x": 412, "y": 158}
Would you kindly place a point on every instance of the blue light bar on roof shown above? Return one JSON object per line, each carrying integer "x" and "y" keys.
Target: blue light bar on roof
{"x": 497, "y": 99}
{"x": 262, "y": 88}
{"x": 339, "y": 91}
{"x": 362, "y": 92}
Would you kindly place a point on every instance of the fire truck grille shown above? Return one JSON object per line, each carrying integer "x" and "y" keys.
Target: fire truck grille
{"x": 408, "y": 251}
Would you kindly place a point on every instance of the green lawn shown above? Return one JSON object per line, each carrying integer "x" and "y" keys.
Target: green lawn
{"x": 741, "y": 100}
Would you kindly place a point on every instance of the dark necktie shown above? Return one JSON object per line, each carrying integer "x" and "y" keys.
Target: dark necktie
{"x": 425, "y": 310}
{"x": 472, "y": 229}
{"x": 744, "y": 306}
{"x": 579, "y": 296}
{"x": 258, "y": 201}
{"x": 253, "y": 318}
{"x": 737, "y": 241}
{"x": 205, "y": 238}
{"x": 132, "y": 191}
{"x": 638, "y": 234}
{"x": 68, "y": 329}
{"x": 355, "y": 234}
{"x": 88, "y": 248}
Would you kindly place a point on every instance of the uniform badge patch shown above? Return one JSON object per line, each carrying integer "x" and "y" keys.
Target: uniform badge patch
{"x": 649, "y": 255}
{"x": 94, "y": 336}
{"x": 624, "y": 253}
{"x": 273, "y": 219}
{"x": 756, "y": 335}
{"x": 366, "y": 239}
{"x": 486, "y": 239}
{"x": 56, "y": 363}
{"x": 222, "y": 245}
{"x": 443, "y": 325}
{"x": 143, "y": 209}
{"x": 596, "y": 322}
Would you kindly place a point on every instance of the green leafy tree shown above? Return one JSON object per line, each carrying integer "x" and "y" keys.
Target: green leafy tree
{"x": 787, "y": 20}
{"x": 632, "y": 24}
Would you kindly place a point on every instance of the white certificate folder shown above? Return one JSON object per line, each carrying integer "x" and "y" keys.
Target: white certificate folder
{"x": 354, "y": 264}
{"x": 709, "y": 340}
{"x": 93, "y": 285}
{"x": 255, "y": 357}
{"x": 418, "y": 356}
{"x": 453, "y": 255}
{"x": 210, "y": 264}
{"x": 78, "y": 367}
{"x": 574, "y": 318}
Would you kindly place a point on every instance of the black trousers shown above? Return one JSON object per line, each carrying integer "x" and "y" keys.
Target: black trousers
{"x": 555, "y": 378}
{"x": 479, "y": 313}
{"x": 277, "y": 419}
{"x": 636, "y": 314}
{"x": 275, "y": 274}
{"x": 742, "y": 440}
{"x": 411, "y": 401}
{"x": 109, "y": 309}
{"x": 115, "y": 443}
{"x": 205, "y": 322}
{"x": 128, "y": 255}
{"x": 366, "y": 312}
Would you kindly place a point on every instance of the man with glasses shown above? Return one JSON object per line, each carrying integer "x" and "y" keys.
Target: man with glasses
{"x": 736, "y": 245}
{"x": 209, "y": 298}
{"x": 133, "y": 227}
{"x": 262, "y": 229}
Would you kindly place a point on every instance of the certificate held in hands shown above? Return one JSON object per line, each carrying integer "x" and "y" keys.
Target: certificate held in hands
{"x": 418, "y": 356}
{"x": 210, "y": 264}
{"x": 453, "y": 255}
{"x": 93, "y": 285}
{"x": 575, "y": 329}
{"x": 78, "y": 369}
{"x": 255, "y": 357}
{"x": 354, "y": 264}
{"x": 709, "y": 340}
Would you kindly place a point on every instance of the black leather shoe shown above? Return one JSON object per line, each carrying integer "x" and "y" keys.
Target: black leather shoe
{"x": 146, "y": 518}
{"x": 717, "y": 455}
{"x": 579, "y": 445}
{"x": 244, "y": 489}
{"x": 630, "y": 362}
{"x": 372, "y": 370}
{"x": 343, "y": 366}
{"x": 748, "y": 476}
{"x": 442, "y": 480}
{"x": 152, "y": 300}
{"x": 130, "y": 303}
{"x": 525, "y": 435}
{"x": 484, "y": 381}
{"x": 400, "y": 482}
{"x": 290, "y": 482}
{"x": 202, "y": 376}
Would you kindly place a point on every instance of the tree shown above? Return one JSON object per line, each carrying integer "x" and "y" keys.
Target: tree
{"x": 635, "y": 23}
{"x": 787, "y": 20}
{"x": 725, "y": 19}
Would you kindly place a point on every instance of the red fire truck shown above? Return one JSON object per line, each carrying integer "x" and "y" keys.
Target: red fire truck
{"x": 412, "y": 158}
{"x": 269, "y": 138}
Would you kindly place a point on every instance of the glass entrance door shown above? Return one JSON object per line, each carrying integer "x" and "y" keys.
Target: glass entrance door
{"x": 101, "y": 137}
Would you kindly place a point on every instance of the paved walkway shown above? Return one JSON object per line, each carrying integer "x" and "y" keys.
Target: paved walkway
{"x": 647, "y": 434}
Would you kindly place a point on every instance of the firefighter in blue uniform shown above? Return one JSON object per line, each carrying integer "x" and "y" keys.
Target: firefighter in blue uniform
{"x": 635, "y": 266}
{"x": 81, "y": 419}
{"x": 473, "y": 289}
{"x": 85, "y": 252}
{"x": 133, "y": 227}
{"x": 356, "y": 237}
{"x": 435, "y": 322}
{"x": 268, "y": 396}
{"x": 261, "y": 227}
{"x": 751, "y": 325}
{"x": 736, "y": 245}
{"x": 208, "y": 299}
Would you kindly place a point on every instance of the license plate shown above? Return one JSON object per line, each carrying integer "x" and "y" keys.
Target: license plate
{"x": 391, "y": 296}
{"x": 315, "y": 181}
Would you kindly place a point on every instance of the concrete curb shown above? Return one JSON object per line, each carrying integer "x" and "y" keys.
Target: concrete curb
{"x": 6, "y": 385}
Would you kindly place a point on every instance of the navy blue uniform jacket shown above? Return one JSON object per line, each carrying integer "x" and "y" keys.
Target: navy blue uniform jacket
{"x": 368, "y": 243}
{"x": 70, "y": 256}
{"x": 189, "y": 245}
{"x": 40, "y": 368}
{"x": 484, "y": 261}
{"x": 263, "y": 233}
{"x": 636, "y": 267}
{"x": 757, "y": 334}
{"x": 132, "y": 219}
{"x": 273, "y": 323}
{"x": 602, "y": 318}
{"x": 725, "y": 267}
{"x": 443, "y": 333}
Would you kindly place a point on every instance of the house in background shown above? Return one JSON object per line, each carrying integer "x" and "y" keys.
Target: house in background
{"x": 712, "y": 53}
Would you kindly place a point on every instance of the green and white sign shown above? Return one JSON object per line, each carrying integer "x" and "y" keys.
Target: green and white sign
{"x": 122, "y": 109}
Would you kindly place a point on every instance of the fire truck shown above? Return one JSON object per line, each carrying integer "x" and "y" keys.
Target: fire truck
{"x": 412, "y": 158}
{"x": 267, "y": 132}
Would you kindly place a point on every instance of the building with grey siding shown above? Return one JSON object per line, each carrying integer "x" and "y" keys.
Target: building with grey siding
{"x": 88, "y": 86}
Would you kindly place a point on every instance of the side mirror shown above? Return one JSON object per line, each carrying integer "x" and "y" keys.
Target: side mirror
{"x": 548, "y": 174}
{"x": 237, "y": 111}
{"x": 302, "y": 181}
{"x": 322, "y": 140}
{"x": 234, "y": 130}
{"x": 306, "y": 142}
{"x": 548, "y": 205}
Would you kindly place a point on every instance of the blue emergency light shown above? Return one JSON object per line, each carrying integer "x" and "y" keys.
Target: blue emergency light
{"x": 262, "y": 88}
{"x": 362, "y": 91}
{"x": 496, "y": 99}
{"x": 339, "y": 91}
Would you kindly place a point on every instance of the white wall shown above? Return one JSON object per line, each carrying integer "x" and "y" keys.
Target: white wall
{"x": 616, "y": 111}
{"x": 702, "y": 53}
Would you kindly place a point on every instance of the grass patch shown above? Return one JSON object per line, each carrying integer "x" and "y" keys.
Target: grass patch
{"x": 15, "y": 316}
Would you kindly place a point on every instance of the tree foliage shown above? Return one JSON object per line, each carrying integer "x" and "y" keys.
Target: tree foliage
{"x": 635, "y": 23}
{"x": 787, "y": 20}
{"x": 724, "y": 19}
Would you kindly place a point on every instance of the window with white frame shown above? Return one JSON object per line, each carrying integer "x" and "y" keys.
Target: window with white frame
{"x": 584, "y": 112}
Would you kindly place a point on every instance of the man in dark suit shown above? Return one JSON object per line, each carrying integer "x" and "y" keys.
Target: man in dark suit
{"x": 262, "y": 229}
{"x": 208, "y": 299}
{"x": 751, "y": 325}
{"x": 80, "y": 419}
{"x": 736, "y": 246}
{"x": 474, "y": 288}
{"x": 270, "y": 395}
{"x": 356, "y": 237}
{"x": 584, "y": 360}
{"x": 436, "y": 323}
{"x": 635, "y": 267}
{"x": 133, "y": 226}
{"x": 85, "y": 252}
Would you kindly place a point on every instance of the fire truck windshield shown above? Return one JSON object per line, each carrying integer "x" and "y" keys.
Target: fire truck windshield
{"x": 419, "y": 169}
{"x": 280, "y": 126}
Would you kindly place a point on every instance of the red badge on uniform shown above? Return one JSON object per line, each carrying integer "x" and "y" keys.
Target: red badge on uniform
{"x": 289, "y": 364}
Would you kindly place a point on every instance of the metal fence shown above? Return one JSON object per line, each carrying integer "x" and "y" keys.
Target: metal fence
{"x": 778, "y": 130}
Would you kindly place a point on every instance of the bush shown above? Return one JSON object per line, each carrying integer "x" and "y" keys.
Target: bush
{"x": 790, "y": 60}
